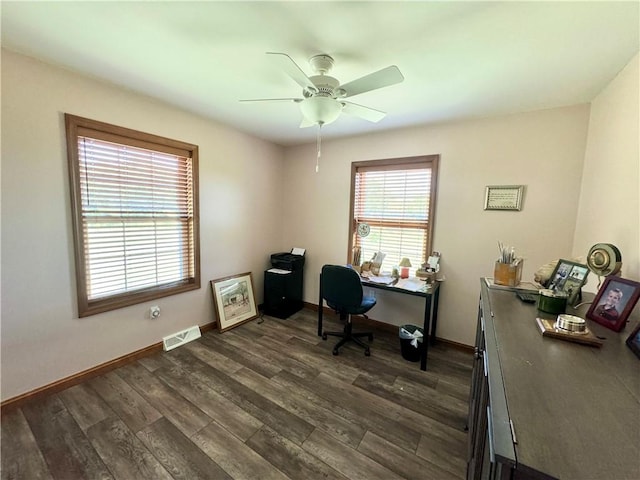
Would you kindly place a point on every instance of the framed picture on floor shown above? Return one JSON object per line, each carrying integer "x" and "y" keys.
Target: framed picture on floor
{"x": 234, "y": 300}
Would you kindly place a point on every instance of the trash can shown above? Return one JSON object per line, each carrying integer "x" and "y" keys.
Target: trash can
{"x": 411, "y": 342}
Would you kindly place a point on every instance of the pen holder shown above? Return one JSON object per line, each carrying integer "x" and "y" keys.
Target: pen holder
{"x": 508, "y": 274}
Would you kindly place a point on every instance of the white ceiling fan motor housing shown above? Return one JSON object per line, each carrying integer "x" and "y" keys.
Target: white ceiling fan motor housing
{"x": 321, "y": 107}
{"x": 321, "y": 63}
{"x": 325, "y": 85}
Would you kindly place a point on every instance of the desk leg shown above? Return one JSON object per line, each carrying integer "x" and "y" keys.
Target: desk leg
{"x": 425, "y": 327}
{"x": 320, "y": 302}
{"x": 434, "y": 315}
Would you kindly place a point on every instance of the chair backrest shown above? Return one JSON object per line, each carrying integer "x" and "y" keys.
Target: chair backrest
{"x": 341, "y": 287}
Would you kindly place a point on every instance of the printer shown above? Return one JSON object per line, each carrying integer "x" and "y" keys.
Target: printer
{"x": 287, "y": 261}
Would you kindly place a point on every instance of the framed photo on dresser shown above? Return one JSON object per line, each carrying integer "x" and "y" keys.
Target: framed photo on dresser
{"x": 633, "y": 342}
{"x": 614, "y": 302}
{"x": 569, "y": 277}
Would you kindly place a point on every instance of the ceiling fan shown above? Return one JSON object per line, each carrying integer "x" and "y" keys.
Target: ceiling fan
{"x": 323, "y": 97}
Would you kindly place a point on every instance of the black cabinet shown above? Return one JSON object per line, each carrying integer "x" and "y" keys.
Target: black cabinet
{"x": 282, "y": 293}
{"x": 482, "y": 461}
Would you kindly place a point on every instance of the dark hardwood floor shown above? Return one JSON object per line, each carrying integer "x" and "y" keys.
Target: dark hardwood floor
{"x": 262, "y": 401}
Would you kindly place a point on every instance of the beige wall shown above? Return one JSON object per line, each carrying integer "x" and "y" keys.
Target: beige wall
{"x": 543, "y": 150}
{"x": 43, "y": 340}
{"x": 609, "y": 200}
{"x": 251, "y": 186}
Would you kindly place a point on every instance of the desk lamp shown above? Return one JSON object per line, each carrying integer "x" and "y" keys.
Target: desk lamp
{"x": 405, "y": 263}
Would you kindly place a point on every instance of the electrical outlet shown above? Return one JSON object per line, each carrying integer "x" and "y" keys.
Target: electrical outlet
{"x": 154, "y": 312}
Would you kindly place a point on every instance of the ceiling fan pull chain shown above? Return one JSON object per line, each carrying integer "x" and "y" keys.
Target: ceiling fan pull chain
{"x": 319, "y": 144}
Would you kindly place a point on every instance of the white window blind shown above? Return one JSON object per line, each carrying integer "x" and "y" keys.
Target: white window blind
{"x": 137, "y": 213}
{"x": 134, "y": 199}
{"x": 394, "y": 200}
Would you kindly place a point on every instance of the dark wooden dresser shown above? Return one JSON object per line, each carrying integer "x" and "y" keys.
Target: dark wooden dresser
{"x": 547, "y": 408}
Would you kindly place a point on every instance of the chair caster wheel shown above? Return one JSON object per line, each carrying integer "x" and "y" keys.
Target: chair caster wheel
{"x": 367, "y": 353}
{"x": 335, "y": 351}
{"x": 324, "y": 336}
{"x": 371, "y": 337}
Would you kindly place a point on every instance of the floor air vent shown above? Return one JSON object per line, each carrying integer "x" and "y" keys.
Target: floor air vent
{"x": 180, "y": 338}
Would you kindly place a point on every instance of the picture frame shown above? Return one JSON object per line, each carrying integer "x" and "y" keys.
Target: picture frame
{"x": 568, "y": 277}
{"x": 234, "y": 300}
{"x": 503, "y": 197}
{"x": 614, "y": 301}
{"x": 633, "y": 341}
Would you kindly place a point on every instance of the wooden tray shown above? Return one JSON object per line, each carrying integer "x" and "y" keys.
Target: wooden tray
{"x": 548, "y": 330}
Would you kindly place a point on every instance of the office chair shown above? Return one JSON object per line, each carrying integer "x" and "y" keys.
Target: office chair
{"x": 341, "y": 288}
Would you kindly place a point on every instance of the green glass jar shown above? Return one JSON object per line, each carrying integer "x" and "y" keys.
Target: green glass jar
{"x": 552, "y": 302}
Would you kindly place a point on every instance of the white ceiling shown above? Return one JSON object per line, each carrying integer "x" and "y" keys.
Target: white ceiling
{"x": 459, "y": 59}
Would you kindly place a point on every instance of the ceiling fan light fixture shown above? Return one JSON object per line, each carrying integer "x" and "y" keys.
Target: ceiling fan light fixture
{"x": 321, "y": 110}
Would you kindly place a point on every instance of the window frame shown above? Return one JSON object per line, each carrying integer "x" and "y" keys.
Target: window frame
{"x": 75, "y": 127}
{"x": 431, "y": 161}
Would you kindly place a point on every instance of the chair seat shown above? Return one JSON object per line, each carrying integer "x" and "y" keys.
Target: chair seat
{"x": 366, "y": 305}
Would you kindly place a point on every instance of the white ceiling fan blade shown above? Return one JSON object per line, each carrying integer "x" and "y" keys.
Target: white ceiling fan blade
{"x": 251, "y": 100}
{"x": 367, "y": 113}
{"x": 382, "y": 78}
{"x": 291, "y": 68}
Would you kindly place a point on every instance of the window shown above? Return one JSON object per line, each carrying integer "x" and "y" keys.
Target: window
{"x": 396, "y": 199}
{"x": 134, "y": 200}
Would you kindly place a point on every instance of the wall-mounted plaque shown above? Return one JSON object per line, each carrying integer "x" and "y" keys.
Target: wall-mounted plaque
{"x": 503, "y": 197}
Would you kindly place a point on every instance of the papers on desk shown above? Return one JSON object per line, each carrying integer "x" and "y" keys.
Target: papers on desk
{"x": 411, "y": 284}
{"x": 278, "y": 271}
{"x": 381, "y": 280}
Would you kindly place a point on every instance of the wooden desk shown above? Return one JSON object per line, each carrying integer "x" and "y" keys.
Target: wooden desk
{"x": 572, "y": 408}
{"x": 431, "y": 294}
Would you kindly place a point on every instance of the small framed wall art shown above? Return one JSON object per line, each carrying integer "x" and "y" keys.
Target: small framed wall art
{"x": 503, "y": 197}
{"x": 234, "y": 300}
